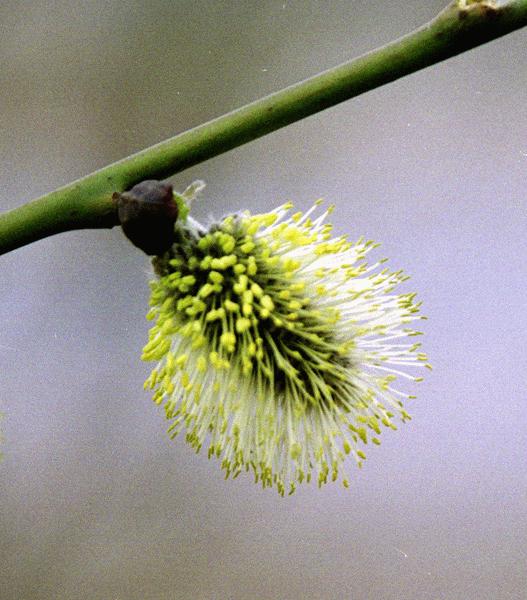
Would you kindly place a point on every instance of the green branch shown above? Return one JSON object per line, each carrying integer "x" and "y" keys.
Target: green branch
{"x": 88, "y": 203}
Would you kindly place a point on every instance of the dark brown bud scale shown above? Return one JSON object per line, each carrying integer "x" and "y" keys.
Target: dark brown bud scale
{"x": 147, "y": 214}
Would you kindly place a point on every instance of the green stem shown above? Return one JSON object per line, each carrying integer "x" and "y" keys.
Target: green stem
{"x": 88, "y": 203}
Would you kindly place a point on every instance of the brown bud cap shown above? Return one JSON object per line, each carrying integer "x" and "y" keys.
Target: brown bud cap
{"x": 147, "y": 214}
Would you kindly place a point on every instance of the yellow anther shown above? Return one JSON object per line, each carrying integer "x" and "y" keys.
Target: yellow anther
{"x": 205, "y": 263}
{"x": 290, "y": 264}
{"x": 227, "y": 223}
{"x": 224, "y": 262}
{"x": 215, "y": 314}
{"x": 198, "y": 341}
{"x": 247, "y": 247}
{"x": 215, "y": 359}
{"x": 252, "y": 269}
{"x": 231, "y": 306}
{"x": 242, "y": 324}
{"x": 181, "y": 361}
{"x": 253, "y": 227}
{"x": 206, "y": 290}
{"x": 241, "y": 285}
{"x": 294, "y": 305}
{"x": 256, "y": 290}
{"x": 170, "y": 363}
{"x": 169, "y": 327}
{"x": 228, "y": 341}
{"x": 188, "y": 280}
{"x": 247, "y": 366}
{"x": 168, "y": 385}
{"x": 184, "y": 302}
{"x": 205, "y": 242}
{"x": 270, "y": 218}
{"x": 216, "y": 277}
{"x": 298, "y": 286}
{"x": 228, "y": 243}
{"x": 267, "y": 302}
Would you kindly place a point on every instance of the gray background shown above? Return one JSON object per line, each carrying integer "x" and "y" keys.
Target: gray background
{"x": 95, "y": 501}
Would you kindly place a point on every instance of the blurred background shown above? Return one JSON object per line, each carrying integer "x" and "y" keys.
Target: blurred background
{"x": 96, "y": 501}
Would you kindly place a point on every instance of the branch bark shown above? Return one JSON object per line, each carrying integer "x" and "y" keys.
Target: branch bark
{"x": 88, "y": 203}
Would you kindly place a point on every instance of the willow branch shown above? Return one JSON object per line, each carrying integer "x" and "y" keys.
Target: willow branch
{"x": 88, "y": 203}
